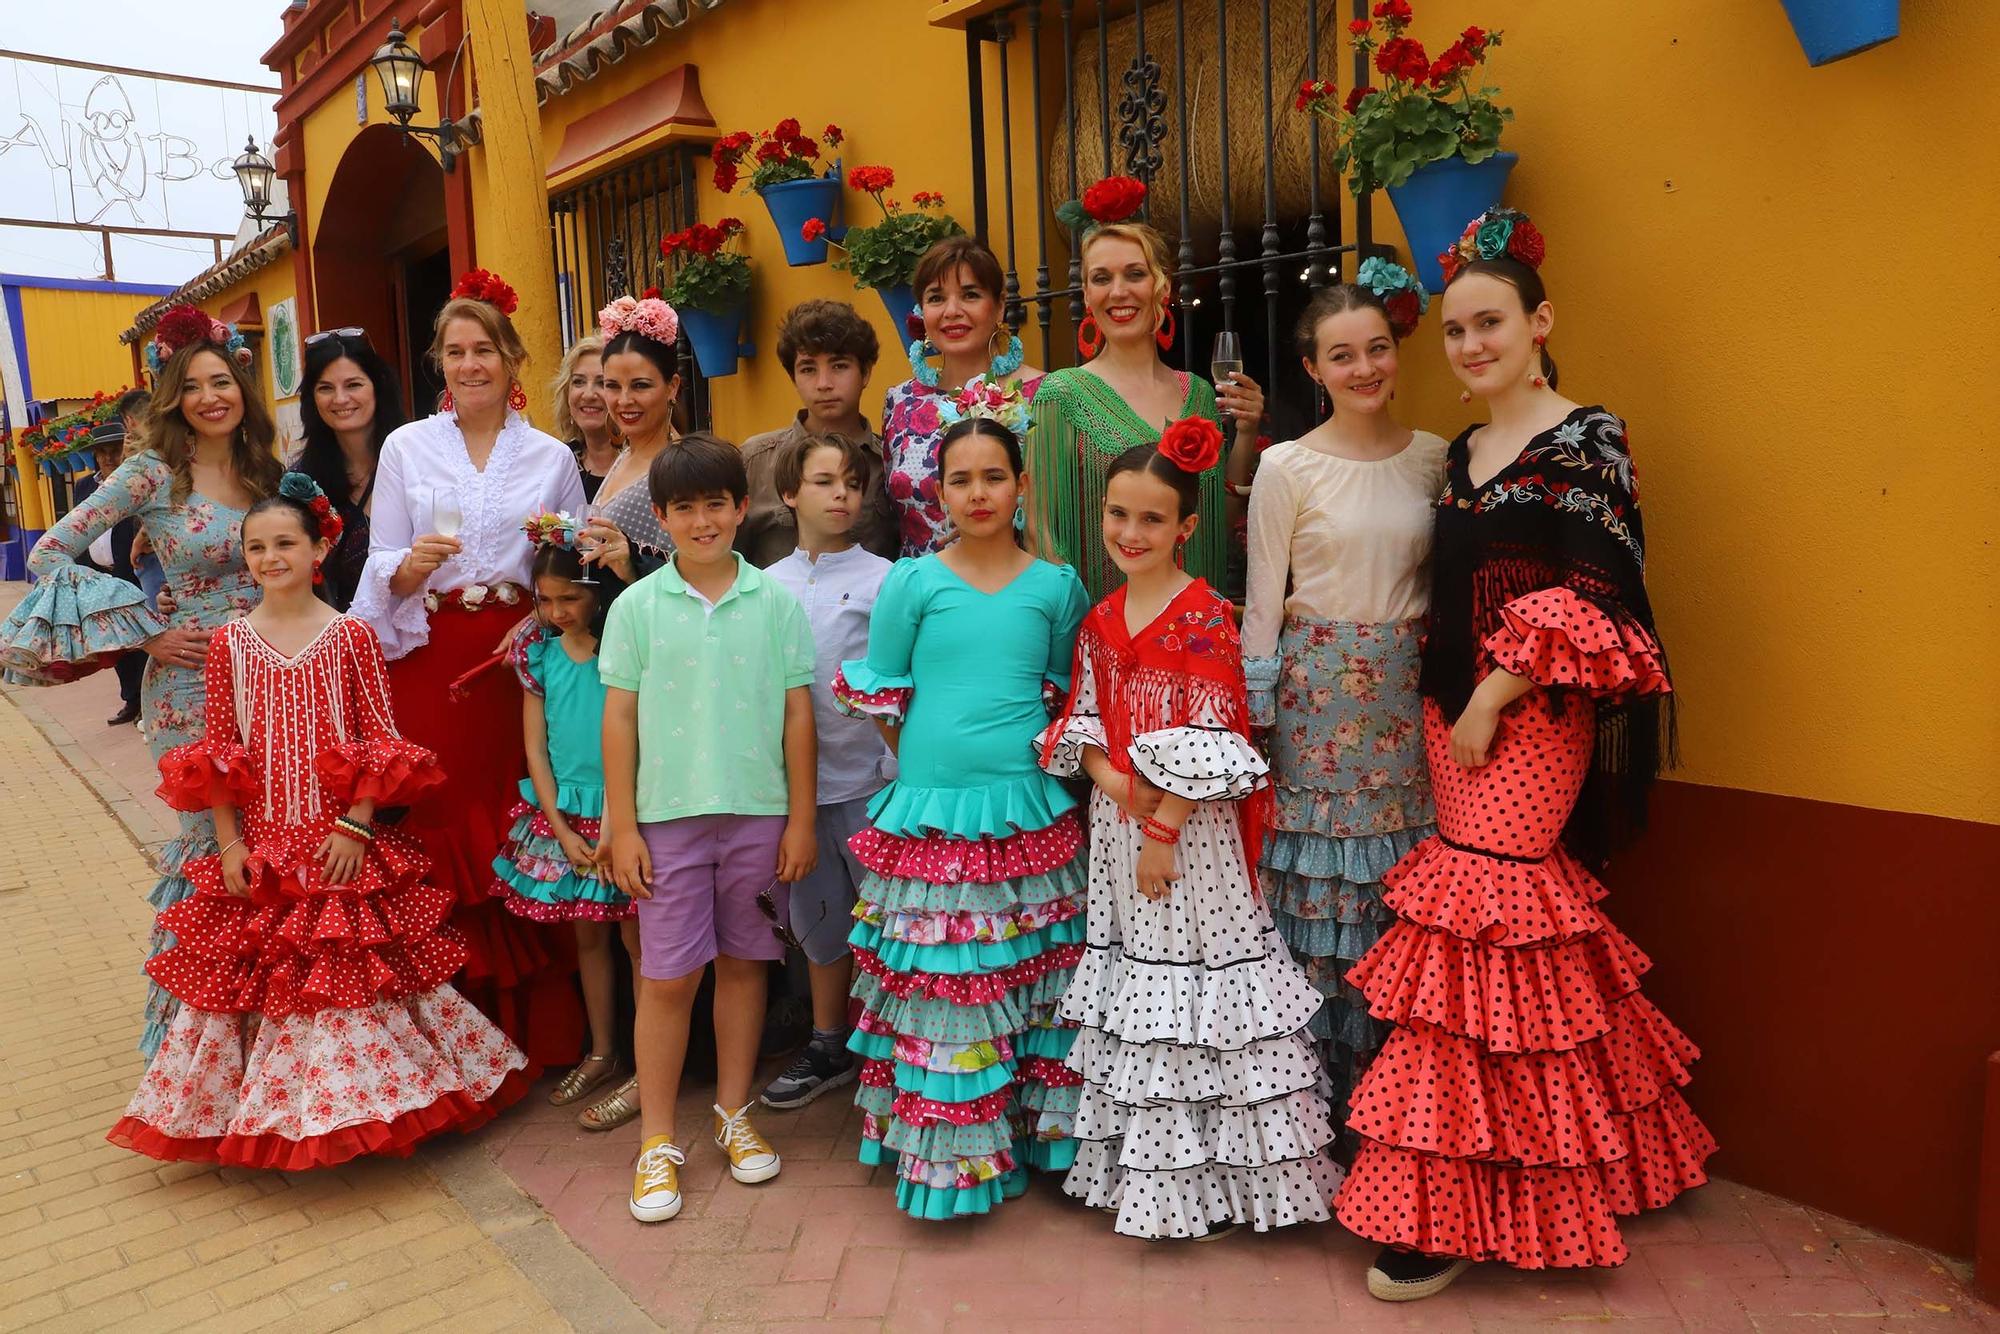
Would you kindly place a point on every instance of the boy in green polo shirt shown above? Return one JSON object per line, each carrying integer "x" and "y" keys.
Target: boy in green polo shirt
{"x": 709, "y": 768}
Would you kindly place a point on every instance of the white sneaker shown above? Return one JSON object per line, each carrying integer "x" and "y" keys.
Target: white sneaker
{"x": 656, "y": 1185}
{"x": 751, "y": 1159}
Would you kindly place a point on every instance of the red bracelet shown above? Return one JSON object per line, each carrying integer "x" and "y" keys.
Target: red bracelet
{"x": 1158, "y": 832}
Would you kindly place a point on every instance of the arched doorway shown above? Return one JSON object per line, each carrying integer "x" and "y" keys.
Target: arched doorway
{"x": 381, "y": 260}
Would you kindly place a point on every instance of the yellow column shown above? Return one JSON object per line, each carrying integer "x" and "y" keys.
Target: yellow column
{"x": 510, "y": 193}
{"x": 34, "y": 507}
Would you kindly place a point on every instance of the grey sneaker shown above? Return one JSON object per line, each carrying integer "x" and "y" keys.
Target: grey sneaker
{"x": 816, "y": 1070}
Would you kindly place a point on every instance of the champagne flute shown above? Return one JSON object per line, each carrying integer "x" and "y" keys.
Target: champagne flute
{"x": 1225, "y": 361}
{"x": 446, "y": 516}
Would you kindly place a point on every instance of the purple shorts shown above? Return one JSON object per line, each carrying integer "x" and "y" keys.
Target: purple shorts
{"x": 707, "y": 873}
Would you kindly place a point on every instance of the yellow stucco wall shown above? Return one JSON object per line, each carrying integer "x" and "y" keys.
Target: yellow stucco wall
{"x": 1782, "y": 278}
{"x": 73, "y": 347}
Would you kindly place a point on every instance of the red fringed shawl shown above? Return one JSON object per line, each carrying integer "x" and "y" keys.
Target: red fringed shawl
{"x": 1184, "y": 670}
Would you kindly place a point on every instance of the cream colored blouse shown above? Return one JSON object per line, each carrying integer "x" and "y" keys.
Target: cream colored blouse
{"x": 1353, "y": 537}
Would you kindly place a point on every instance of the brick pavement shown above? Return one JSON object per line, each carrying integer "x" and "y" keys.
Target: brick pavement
{"x": 494, "y": 1230}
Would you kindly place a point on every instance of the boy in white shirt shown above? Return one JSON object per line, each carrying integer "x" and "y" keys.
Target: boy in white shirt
{"x": 821, "y": 479}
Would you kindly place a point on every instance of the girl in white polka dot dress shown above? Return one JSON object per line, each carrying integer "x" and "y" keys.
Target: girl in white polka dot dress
{"x": 1201, "y": 1108}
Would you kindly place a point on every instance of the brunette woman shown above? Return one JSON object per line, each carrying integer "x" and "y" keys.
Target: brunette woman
{"x": 642, "y": 382}
{"x": 350, "y": 404}
{"x": 208, "y": 457}
{"x": 444, "y": 586}
{"x": 1529, "y": 1094}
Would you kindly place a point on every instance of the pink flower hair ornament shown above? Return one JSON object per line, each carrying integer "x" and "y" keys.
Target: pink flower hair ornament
{"x": 649, "y": 317}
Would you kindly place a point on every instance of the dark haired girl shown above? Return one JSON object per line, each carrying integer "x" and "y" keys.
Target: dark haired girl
{"x": 349, "y": 404}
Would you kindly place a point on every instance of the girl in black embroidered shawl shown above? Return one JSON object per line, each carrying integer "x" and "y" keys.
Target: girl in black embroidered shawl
{"x": 1529, "y": 1094}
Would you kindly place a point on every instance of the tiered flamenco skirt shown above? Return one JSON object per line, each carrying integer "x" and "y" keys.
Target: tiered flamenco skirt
{"x": 1353, "y": 798}
{"x": 533, "y": 878}
{"x": 316, "y": 1023}
{"x": 1200, "y": 1100}
{"x": 964, "y": 942}
{"x": 1530, "y": 1093}
{"x": 519, "y": 973}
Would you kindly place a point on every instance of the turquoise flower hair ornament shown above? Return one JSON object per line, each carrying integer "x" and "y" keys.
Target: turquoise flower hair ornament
{"x": 981, "y": 397}
{"x": 1403, "y": 297}
{"x": 297, "y": 486}
{"x": 1498, "y": 233}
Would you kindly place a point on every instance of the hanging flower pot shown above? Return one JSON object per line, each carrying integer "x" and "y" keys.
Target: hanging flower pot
{"x": 717, "y": 339}
{"x": 1829, "y": 30}
{"x": 901, "y": 302}
{"x": 1439, "y": 199}
{"x": 883, "y": 256}
{"x": 785, "y": 174}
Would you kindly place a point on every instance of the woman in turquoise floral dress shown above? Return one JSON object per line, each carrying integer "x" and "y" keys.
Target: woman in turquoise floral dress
{"x": 208, "y": 458}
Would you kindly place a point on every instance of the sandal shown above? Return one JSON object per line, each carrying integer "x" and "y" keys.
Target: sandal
{"x": 614, "y": 1111}
{"x": 592, "y": 1071}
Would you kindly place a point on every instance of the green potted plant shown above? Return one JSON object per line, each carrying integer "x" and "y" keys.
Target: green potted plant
{"x": 1428, "y": 135}
{"x": 885, "y": 255}
{"x": 786, "y": 172}
{"x": 708, "y": 285}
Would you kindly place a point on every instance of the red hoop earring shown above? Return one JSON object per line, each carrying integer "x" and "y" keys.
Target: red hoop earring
{"x": 517, "y": 398}
{"x": 1164, "y": 335}
{"x": 444, "y": 404}
{"x": 1089, "y": 338}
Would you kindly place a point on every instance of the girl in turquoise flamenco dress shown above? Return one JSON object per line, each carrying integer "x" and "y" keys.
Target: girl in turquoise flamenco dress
{"x": 971, "y": 912}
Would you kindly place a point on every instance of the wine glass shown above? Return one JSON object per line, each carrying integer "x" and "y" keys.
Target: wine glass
{"x": 586, "y": 547}
{"x": 446, "y": 516}
{"x": 1225, "y": 361}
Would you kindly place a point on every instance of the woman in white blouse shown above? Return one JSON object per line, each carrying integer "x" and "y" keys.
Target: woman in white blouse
{"x": 1345, "y": 511}
{"x": 446, "y": 579}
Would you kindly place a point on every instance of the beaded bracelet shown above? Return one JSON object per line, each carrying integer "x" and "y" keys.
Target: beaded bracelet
{"x": 353, "y": 829}
{"x": 1158, "y": 832}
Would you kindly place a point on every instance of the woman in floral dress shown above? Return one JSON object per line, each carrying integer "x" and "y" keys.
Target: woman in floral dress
{"x": 958, "y": 284}
{"x": 208, "y": 458}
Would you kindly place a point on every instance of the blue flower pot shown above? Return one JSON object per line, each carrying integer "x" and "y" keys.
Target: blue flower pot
{"x": 1832, "y": 29}
{"x": 900, "y": 300}
{"x": 717, "y": 339}
{"x": 792, "y": 202}
{"x": 1439, "y": 199}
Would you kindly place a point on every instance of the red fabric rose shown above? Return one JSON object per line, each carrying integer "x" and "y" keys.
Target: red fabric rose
{"x": 1114, "y": 199}
{"x": 913, "y": 324}
{"x": 1192, "y": 444}
{"x": 814, "y": 229}
{"x": 1404, "y": 312}
{"x": 1450, "y": 263}
{"x": 1526, "y": 243}
{"x": 482, "y": 285}
{"x": 649, "y": 294}
{"x": 1355, "y": 96}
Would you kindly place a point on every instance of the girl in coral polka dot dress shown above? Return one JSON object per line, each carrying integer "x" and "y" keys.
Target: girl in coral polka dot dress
{"x": 316, "y": 1021}
{"x": 1529, "y": 1094}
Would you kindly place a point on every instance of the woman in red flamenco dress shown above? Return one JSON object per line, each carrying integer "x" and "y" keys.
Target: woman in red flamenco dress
{"x": 317, "y": 1020}
{"x": 1529, "y": 1094}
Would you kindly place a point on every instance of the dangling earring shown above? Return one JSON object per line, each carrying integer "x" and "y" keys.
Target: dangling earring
{"x": 1164, "y": 335}
{"x": 1007, "y": 362}
{"x": 1537, "y": 379}
{"x": 1465, "y": 395}
{"x": 1180, "y": 553}
{"x": 517, "y": 398}
{"x": 921, "y": 350}
{"x": 1089, "y": 338}
{"x": 444, "y": 404}
{"x": 318, "y": 578}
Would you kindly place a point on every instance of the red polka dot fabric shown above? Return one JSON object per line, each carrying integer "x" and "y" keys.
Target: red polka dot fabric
{"x": 1530, "y": 1094}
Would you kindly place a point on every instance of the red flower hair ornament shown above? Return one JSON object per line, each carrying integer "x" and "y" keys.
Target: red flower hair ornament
{"x": 1113, "y": 199}
{"x": 184, "y": 325}
{"x": 484, "y": 285}
{"x": 1192, "y": 444}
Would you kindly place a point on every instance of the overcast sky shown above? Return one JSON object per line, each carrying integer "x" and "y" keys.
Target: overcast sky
{"x": 184, "y": 135}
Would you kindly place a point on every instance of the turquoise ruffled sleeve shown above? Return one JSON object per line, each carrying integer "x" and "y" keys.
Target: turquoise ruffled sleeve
{"x": 880, "y": 685}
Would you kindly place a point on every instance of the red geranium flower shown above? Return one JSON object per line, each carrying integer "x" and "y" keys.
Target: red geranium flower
{"x": 1526, "y": 244}
{"x": 1403, "y": 58}
{"x": 814, "y": 229}
{"x": 770, "y": 151}
{"x": 833, "y": 136}
{"x": 871, "y": 180}
{"x": 1355, "y": 95}
{"x": 1396, "y": 11}
{"x": 788, "y": 128}
{"x": 725, "y": 179}
{"x": 1474, "y": 39}
{"x": 1192, "y": 444}
{"x": 1359, "y": 27}
{"x": 1114, "y": 199}
{"x": 803, "y": 147}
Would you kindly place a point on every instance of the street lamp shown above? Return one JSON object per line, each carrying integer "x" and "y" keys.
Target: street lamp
{"x": 401, "y": 72}
{"x": 255, "y": 175}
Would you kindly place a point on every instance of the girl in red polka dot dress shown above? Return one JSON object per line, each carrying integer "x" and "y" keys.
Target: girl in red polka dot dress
{"x": 1529, "y": 1094}
{"x": 317, "y": 1022}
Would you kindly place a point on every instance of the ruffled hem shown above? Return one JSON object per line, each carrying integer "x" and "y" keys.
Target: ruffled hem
{"x": 1555, "y": 638}
{"x": 941, "y": 928}
{"x": 208, "y": 773}
{"x": 72, "y": 622}
{"x": 1200, "y": 763}
{"x": 388, "y": 771}
{"x": 1498, "y": 902}
{"x": 961, "y": 958}
{"x": 1193, "y": 1201}
{"x": 1403, "y": 802}
{"x": 859, "y": 691}
{"x": 579, "y": 799}
{"x": 950, "y": 861}
{"x": 1147, "y": 1074}
{"x": 1176, "y": 1136}
{"x": 1031, "y": 802}
{"x": 1362, "y": 859}
{"x": 1220, "y": 1008}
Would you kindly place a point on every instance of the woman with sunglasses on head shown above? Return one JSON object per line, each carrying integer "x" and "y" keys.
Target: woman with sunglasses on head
{"x": 349, "y": 403}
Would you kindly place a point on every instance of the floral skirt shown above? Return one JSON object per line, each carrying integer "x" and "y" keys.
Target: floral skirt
{"x": 1353, "y": 797}
{"x": 962, "y": 951}
{"x": 1529, "y": 1094}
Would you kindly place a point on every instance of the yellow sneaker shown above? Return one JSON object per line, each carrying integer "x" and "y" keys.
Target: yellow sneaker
{"x": 656, "y": 1185}
{"x": 750, "y": 1158}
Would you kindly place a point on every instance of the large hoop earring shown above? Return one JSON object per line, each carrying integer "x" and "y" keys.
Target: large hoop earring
{"x": 921, "y": 350}
{"x": 1164, "y": 335}
{"x": 1089, "y": 338}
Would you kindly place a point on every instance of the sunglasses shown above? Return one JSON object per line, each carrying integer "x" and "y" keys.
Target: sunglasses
{"x": 324, "y": 334}
{"x": 768, "y": 905}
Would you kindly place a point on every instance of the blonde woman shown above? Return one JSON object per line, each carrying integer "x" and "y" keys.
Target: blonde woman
{"x": 583, "y": 412}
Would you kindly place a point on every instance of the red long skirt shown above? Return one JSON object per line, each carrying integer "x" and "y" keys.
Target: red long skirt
{"x": 521, "y": 975}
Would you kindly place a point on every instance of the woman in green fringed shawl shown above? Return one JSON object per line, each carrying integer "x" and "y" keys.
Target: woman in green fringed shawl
{"x": 1086, "y": 416}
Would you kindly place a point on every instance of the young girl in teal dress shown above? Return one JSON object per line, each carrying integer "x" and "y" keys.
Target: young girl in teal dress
{"x": 549, "y": 868}
{"x": 971, "y": 913}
